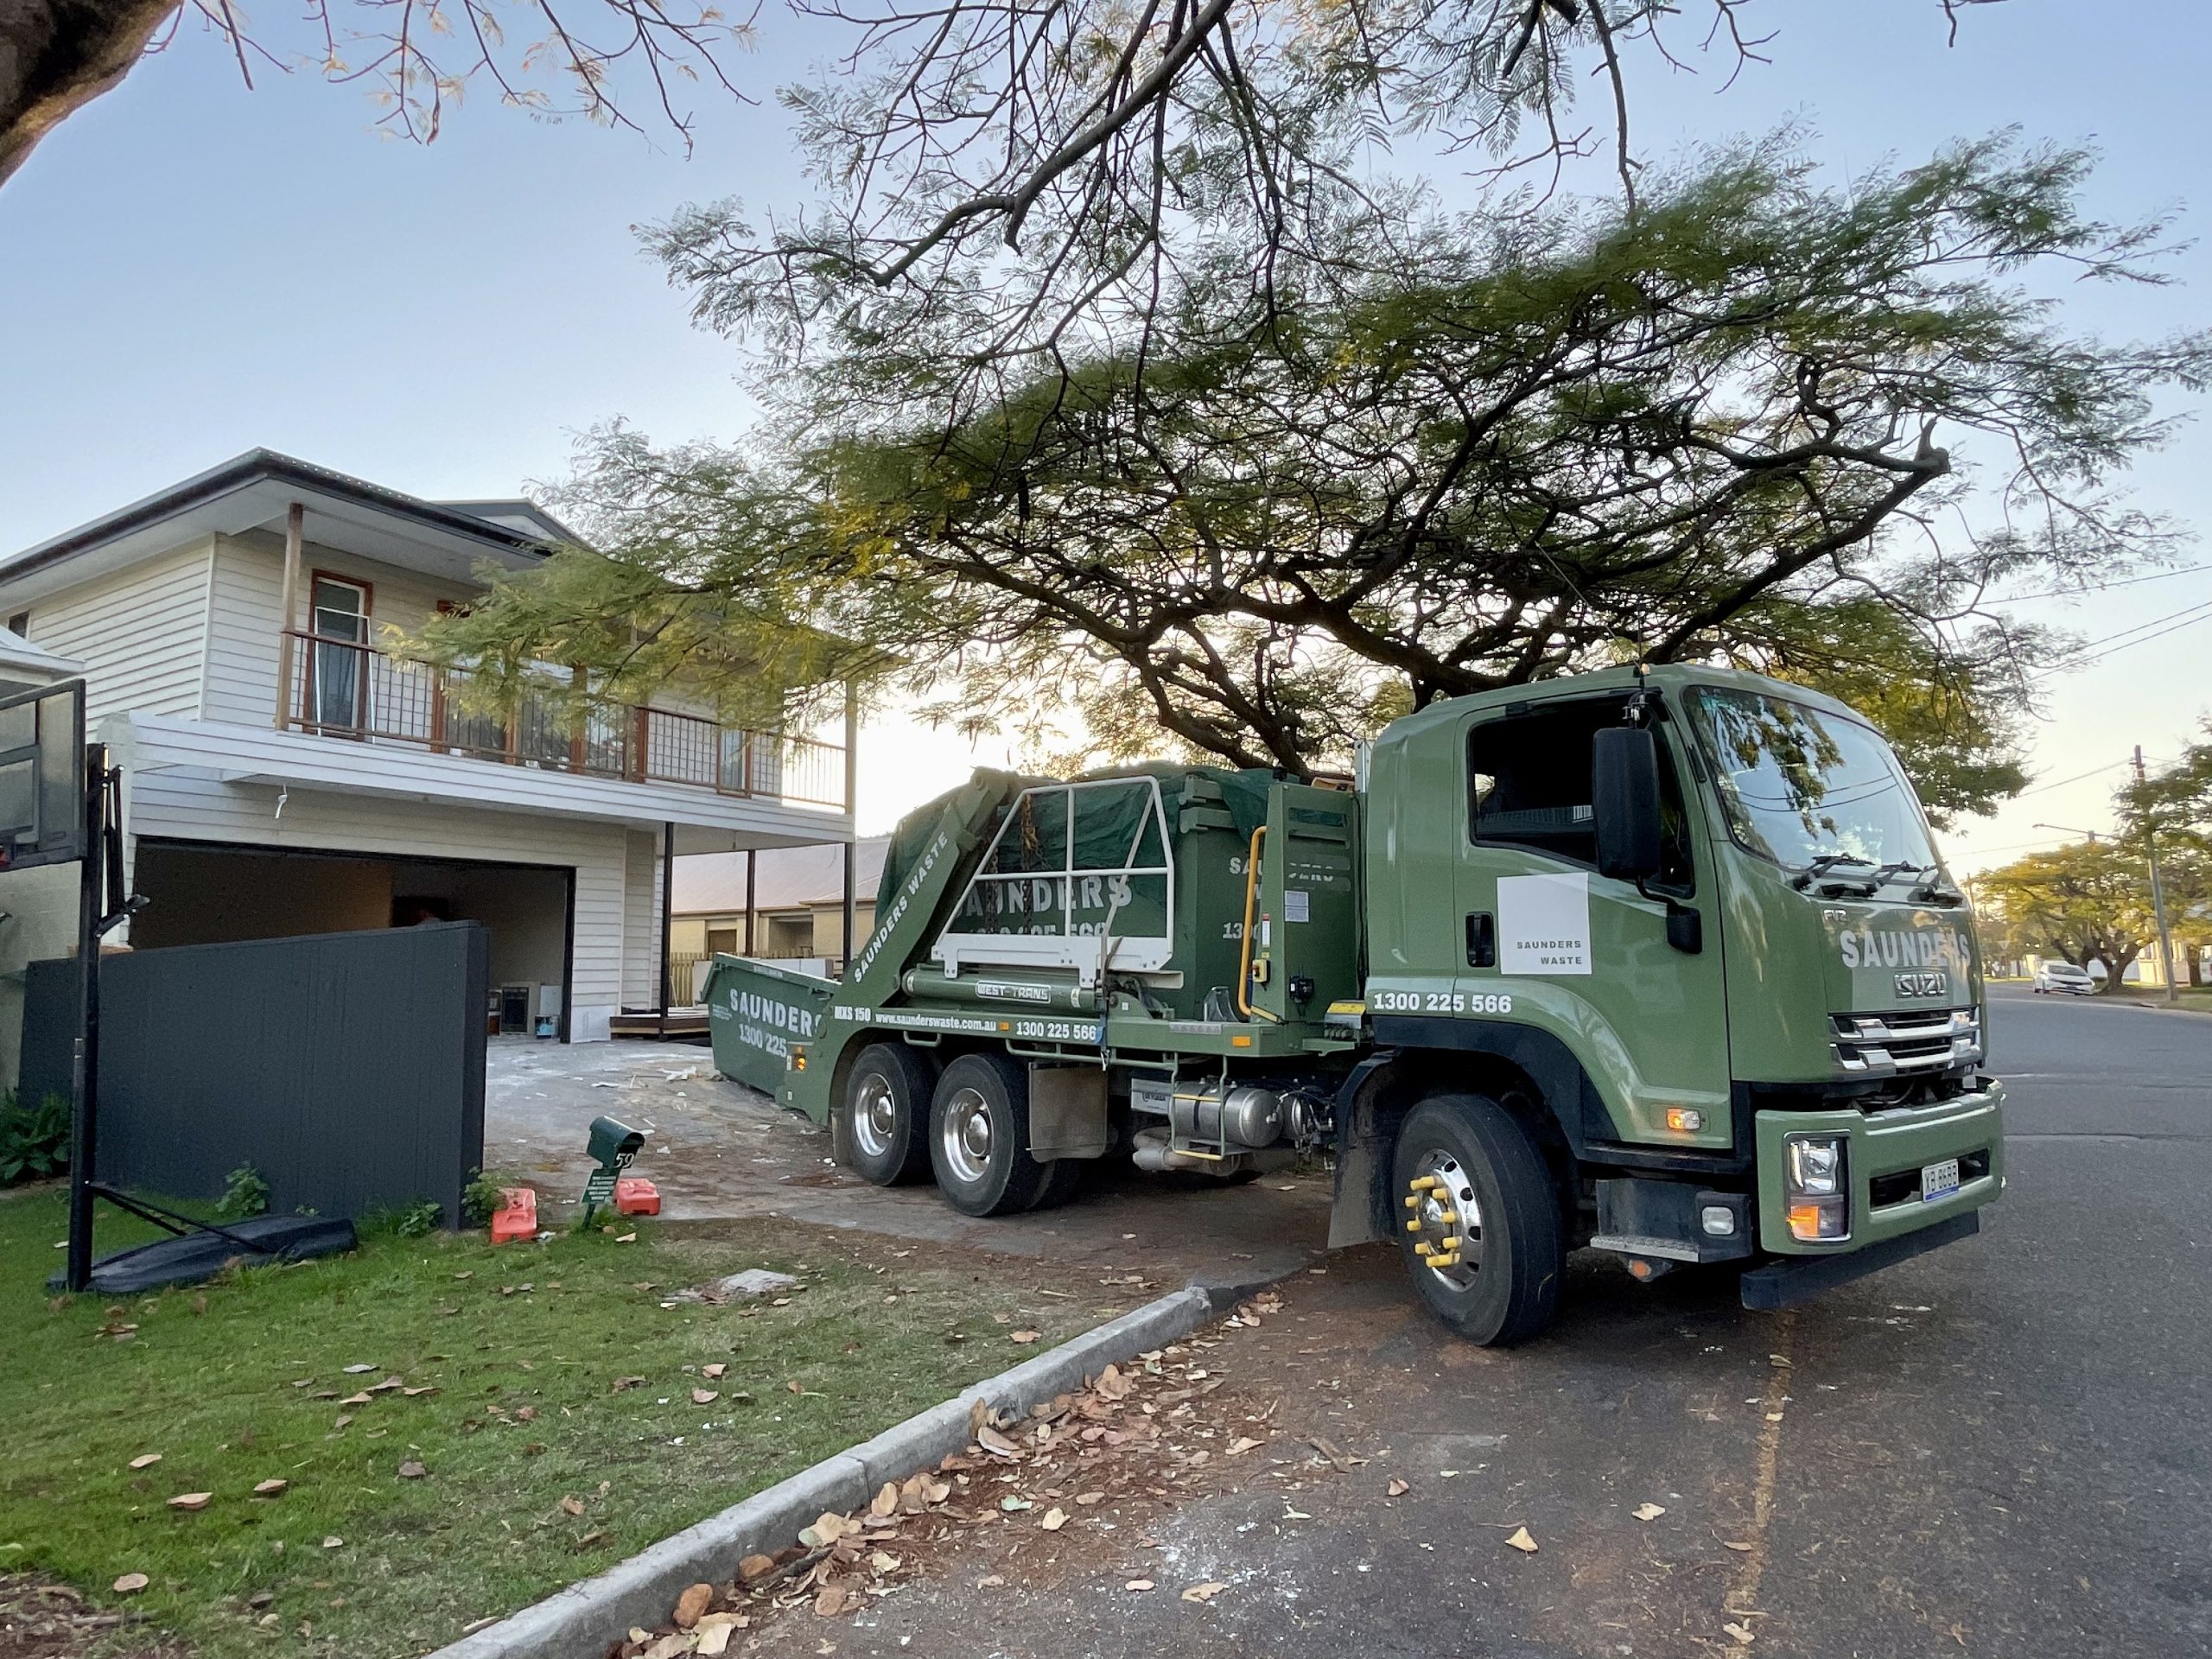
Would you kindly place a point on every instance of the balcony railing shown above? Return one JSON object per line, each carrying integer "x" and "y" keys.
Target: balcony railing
{"x": 340, "y": 689}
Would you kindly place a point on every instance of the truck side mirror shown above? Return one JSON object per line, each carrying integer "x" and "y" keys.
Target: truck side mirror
{"x": 1625, "y": 800}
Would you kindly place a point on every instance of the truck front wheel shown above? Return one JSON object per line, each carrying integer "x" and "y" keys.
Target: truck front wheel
{"x": 887, "y": 1109}
{"x": 1478, "y": 1222}
{"x": 979, "y": 1137}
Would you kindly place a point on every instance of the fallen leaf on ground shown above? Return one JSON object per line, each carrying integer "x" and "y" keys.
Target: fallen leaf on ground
{"x": 885, "y": 1501}
{"x": 704, "y": 1396}
{"x": 883, "y": 1561}
{"x": 1399, "y": 1489}
{"x": 1012, "y": 1505}
{"x": 1023, "y": 1336}
{"x": 626, "y": 1238}
{"x": 622, "y": 1382}
{"x": 146, "y": 1461}
{"x": 755, "y": 1566}
{"x": 1089, "y": 1498}
{"x": 996, "y": 1443}
{"x": 1740, "y": 1549}
{"x": 1138, "y": 1584}
{"x": 1741, "y": 1632}
{"x": 432, "y": 1388}
{"x": 1055, "y": 1518}
{"x": 1203, "y": 1593}
{"x": 1242, "y": 1444}
{"x": 1650, "y": 1511}
{"x": 794, "y": 1385}
{"x": 523, "y": 1413}
{"x": 413, "y": 1469}
{"x": 691, "y": 1604}
{"x": 131, "y": 1583}
{"x": 990, "y": 1582}
{"x": 828, "y": 1527}
{"x": 832, "y": 1601}
{"x": 669, "y": 1646}
{"x": 333, "y": 1541}
{"x": 269, "y": 1488}
{"x": 355, "y": 1400}
{"x": 191, "y": 1500}
{"x": 1521, "y": 1541}
{"x": 573, "y": 1505}
{"x": 358, "y": 1370}
{"x": 712, "y": 1371}
{"x": 1112, "y": 1384}
{"x": 715, "y": 1637}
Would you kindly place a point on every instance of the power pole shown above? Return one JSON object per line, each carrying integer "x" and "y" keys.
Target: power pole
{"x": 2158, "y": 896}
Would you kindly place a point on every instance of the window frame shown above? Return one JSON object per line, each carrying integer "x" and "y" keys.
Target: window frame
{"x": 1671, "y": 769}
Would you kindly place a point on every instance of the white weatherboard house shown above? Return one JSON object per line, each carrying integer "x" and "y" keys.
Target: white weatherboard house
{"x": 284, "y": 774}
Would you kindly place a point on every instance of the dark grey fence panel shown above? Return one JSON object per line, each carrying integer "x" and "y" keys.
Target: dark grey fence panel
{"x": 347, "y": 1068}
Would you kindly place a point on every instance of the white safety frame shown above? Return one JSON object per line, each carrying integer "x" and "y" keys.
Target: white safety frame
{"x": 1091, "y": 955}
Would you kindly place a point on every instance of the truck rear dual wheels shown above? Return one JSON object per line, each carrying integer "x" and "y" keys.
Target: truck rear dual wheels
{"x": 887, "y": 1109}
{"x": 979, "y": 1137}
{"x": 1478, "y": 1222}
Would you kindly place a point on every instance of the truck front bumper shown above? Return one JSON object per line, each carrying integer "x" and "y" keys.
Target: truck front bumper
{"x": 1886, "y": 1151}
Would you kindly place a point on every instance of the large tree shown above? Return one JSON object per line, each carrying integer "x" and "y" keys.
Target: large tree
{"x": 1718, "y": 424}
{"x": 2088, "y": 902}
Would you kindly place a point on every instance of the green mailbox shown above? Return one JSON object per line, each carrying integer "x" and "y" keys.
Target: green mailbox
{"x": 613, "y": 1145}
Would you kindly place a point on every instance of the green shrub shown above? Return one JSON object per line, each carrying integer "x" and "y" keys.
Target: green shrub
{"x": 34, "y": 1140}
{"x": 482, "y": 1198}
{"x": 245, "y": 1195}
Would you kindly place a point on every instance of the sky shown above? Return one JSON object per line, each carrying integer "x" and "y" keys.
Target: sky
{"x": 188, "y": 270}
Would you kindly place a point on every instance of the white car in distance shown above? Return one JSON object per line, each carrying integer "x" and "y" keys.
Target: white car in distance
{"x": 2063, "y": 978}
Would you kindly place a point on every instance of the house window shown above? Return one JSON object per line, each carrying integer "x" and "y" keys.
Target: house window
{"x": 722, "y": 940}
{"x": 338, "y": 694}
{"x": 20, "y": 624}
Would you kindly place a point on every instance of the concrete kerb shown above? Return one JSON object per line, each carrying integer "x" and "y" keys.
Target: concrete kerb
{"x": 584, "y": 1620}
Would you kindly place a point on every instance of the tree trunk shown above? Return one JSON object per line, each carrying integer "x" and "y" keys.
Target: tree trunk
{"x": 58, "y": 55}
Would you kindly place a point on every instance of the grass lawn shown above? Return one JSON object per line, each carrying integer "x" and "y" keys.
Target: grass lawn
{"x": 541, "y": 1468}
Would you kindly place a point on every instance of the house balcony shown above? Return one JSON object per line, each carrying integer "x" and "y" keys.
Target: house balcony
{"x": 356, "y": 692}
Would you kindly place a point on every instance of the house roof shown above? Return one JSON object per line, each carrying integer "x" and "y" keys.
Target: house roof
{"x": 713, "y": 884}
{"x": 254, "y": 491}
{"x": 24, "y": 663}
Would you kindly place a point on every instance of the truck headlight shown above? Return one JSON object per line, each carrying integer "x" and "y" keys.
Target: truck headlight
{"x": 1815, "y": 1166}
{"x": 1819, "y": 1206}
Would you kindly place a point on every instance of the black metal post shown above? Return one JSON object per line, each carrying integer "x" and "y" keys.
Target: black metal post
{"x": 751, "y": 865}
{"x": 84, "y": 1137}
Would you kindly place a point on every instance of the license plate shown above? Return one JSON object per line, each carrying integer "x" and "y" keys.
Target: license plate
{"x": 1939, "y": 1181}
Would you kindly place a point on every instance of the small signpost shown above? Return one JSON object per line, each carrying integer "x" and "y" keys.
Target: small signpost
{"x": 613, "y": 1144}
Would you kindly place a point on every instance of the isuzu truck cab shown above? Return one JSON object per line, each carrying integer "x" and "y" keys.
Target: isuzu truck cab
{"x": 1660, "y": 962}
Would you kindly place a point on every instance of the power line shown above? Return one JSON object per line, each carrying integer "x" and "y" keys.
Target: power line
{"x": 2101, "y": 587}
{"x": 2061, "y": 783}
{"x": 2096, "y": 650}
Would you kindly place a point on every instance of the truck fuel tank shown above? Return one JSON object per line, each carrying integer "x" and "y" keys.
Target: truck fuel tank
{"x": 1240, "y": 1115}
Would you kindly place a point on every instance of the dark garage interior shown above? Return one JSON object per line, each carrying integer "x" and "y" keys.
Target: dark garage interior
{"x": 203, "y": 893}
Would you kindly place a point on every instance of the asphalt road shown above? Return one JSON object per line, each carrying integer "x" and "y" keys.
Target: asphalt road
{"x": 2004, "y": 1448}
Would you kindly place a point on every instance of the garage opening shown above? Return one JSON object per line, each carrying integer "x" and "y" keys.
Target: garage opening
{"x": 202, "y": 893}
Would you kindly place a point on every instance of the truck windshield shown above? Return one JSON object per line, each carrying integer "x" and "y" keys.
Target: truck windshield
{"x": 1799, "y": 785}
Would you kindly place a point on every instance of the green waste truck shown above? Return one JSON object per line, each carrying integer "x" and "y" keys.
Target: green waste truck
{"x": 1659, "y": 961}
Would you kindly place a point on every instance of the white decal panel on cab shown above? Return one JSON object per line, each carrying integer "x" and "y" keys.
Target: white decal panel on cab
{"x": 1543, "y": 924}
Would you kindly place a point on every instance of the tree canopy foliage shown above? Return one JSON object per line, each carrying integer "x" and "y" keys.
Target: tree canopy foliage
{"x": 1718, "y": 426}
{"x": 2087, "y": 901}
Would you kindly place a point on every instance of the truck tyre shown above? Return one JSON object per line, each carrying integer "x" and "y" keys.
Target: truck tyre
{"x": 887, "y": 1109}
{"x": 1063, "y": 1181}
{"x": 979, "y": 1137}
{"x": 1487, "y": 1213}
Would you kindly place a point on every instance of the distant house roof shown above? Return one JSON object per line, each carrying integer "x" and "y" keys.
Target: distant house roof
{"x": 254, "y": 491}
{"x": 713, "y": 884}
